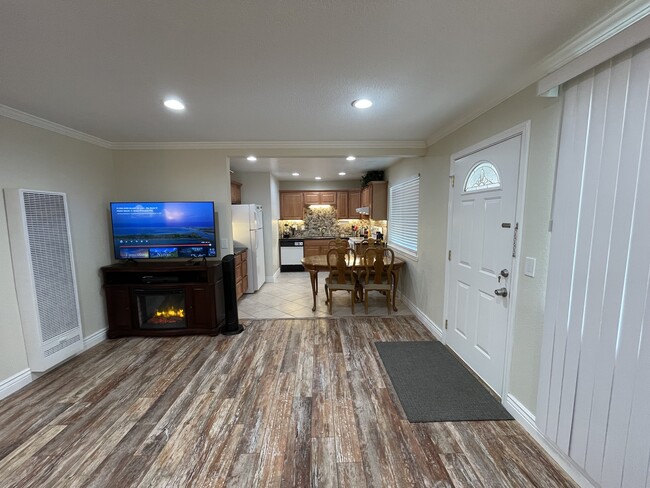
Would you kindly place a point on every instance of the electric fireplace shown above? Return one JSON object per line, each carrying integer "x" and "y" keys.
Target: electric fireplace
{"x": 160, "y": 309}
{"x": 164, "y": 299}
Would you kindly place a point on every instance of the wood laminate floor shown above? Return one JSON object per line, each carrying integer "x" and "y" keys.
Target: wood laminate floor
{"x": 288, "y": 403}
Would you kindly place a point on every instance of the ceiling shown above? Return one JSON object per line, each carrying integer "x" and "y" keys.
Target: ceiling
{"x": 276, "y": 70}
{"x": 309, "y": 168}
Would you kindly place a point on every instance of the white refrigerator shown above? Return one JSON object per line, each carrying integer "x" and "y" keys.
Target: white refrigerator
{"x": 247, "y": 232}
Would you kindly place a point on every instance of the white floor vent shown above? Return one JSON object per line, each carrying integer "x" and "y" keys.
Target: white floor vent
{"x": 41, "y": 251}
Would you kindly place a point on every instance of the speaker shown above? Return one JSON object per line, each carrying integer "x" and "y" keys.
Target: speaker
{"x": 233, "y": 326}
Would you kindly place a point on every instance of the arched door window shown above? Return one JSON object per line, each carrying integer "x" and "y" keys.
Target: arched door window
{"x": 483, "y": 176}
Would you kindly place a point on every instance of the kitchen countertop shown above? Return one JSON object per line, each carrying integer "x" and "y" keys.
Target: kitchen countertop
{"x": 238, "y": 250}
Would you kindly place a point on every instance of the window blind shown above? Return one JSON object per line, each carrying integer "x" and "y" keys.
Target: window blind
{"x": 404, "y": 215}
{"x": 593, "y": 390}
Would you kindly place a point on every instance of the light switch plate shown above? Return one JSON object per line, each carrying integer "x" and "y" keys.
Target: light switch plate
{"x": 529, "y": 267}
{"x": 224, "y": 243}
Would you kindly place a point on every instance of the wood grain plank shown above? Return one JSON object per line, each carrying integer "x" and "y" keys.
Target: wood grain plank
{"x": 478, "y": 456}
{"x": 461, "y": 471}
{"x": 351, "y": 475}
{"x": 297, "y": 461}
{"x": 348, "y": 449}
{"x": 322, "y": 400}
{"x": 375, "y": 460}
{"x": 273, "y": 445}
{"x": 305, "y": 370}
{"x": 323, "y": 462}
{"x": 242, "y": 472}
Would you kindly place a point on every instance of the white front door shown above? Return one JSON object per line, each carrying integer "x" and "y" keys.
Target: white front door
{"x": 482, "y": 237}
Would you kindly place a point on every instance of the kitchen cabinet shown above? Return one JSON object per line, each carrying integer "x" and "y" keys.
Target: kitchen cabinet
{"x": 375, "y": 197}
{"x": 354, "y": 202}
{"x": 342, "y": 208}
{"x": 316, "y": 247}
{"x": 365, "y": 196}
{"x": 235, "y": 192}
{"x": 346, "y": 202}
{"x": 311, "y": 197}
{"x": 319, "y": 197}
{"x": 241, "y": 272}
{"x": 291, "y": 205}
{"x": 328, "y": 198}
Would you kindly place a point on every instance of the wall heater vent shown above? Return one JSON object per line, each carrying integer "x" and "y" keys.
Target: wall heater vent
{"x": 41, "y": 251}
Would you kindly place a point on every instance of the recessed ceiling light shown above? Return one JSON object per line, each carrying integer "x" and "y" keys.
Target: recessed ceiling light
{"x": 295, "y": 174}
{"x": 318, "y": 178}
{"x": 174, "y": 104}
{"x": 350, "y": 158}
{"x": 362, "y": 103}
{"x": 251, "y": 158}
{"x": 342, "y": 173}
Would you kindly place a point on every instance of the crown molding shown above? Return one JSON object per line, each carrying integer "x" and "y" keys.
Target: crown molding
{"x": 12, "y": 113}
{"x": 271, "y": 145}
{"x": 26, "y": 118}
{"x": 616, "y": 21}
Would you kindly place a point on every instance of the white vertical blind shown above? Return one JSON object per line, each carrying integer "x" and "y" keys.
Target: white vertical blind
{"x": 594, "y": 391}
{"x": 404, "y": 215}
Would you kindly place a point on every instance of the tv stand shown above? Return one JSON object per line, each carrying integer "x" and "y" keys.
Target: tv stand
{"x": 164, "y": 299}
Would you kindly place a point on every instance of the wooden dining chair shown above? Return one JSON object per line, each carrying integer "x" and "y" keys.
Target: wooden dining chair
{"x": 341, "y": 274}
{"x": 365, "y": 245}
{"x": 338, "y": 243}
{"x": 377, "y": 274}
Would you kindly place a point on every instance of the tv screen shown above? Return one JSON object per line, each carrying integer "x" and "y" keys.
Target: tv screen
{"x": 154, "y": 230}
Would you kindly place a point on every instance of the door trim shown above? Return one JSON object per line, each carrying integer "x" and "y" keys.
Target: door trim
{"x": 522, "y": 129}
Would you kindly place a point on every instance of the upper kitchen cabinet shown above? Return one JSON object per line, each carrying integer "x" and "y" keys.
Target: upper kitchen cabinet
{"x": 291, "y": 205}
{"x": 354, "y": 202}
{"x": 342, "y": 208}
{"x": 235, "y": 192}
{"x": 375, "y": 198}
{"x": 319, "y": 198}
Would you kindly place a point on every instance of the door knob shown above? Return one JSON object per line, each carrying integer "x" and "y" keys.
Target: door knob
{"x": 501, "y": 292}
{"x": 505, "y": 273}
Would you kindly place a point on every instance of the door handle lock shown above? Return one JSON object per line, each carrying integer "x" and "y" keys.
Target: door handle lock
{"x": 501, "y": 292}
{"x": 505, "y": 273}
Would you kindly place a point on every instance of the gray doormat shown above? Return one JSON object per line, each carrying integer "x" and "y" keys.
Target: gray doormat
{"x": 433, "y": 386}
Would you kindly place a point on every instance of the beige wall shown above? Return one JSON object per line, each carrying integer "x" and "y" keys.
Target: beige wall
{"x": 424, "y": 282}
{"x": 183, "y": 174}
{"x": 37, "y": 159}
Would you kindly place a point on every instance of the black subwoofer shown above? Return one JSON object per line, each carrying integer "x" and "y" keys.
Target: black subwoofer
{"x": 232, "y": 326}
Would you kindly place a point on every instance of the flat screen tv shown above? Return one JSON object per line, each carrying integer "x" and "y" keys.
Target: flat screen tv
{"x": 158, "y": 230}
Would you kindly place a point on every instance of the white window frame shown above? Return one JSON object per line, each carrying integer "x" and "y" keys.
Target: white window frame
{"x": 403, "y": 230}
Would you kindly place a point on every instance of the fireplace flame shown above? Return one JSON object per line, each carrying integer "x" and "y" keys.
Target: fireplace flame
{"x": 171, "y": 313}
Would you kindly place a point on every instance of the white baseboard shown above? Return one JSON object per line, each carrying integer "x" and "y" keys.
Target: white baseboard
{"x": 428, "y": 323}
{"x": 95, "y": 338}
{"x": 527, "y": 420}
{"x": 25, "y": 377}
{"x": 15, "y": 383}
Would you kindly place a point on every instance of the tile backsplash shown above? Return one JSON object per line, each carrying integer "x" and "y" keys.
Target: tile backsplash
{"x": 322, "y": 221}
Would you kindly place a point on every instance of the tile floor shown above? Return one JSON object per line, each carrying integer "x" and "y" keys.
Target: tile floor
{"x": 291, "y": 297}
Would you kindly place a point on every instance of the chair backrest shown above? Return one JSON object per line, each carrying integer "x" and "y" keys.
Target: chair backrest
{"x": 378, "y": 263}
{"x": 340, "y": 271}
{"x": 365, "y": 245}
{"x": 335, "y": 244}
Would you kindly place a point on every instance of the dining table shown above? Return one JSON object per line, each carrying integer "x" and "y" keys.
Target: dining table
{"x": 314, "y": 264}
